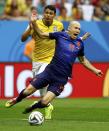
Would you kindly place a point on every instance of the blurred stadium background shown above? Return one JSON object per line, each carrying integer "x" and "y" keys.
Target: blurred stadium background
{"x": 15, "y": 67}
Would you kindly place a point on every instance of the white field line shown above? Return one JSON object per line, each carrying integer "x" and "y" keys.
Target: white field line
{"x": 57, "y": 120}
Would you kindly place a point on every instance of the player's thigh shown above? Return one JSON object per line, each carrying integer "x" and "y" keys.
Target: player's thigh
{"x": 38, "y": 67}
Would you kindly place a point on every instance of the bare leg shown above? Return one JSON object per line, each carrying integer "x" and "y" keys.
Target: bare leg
{"x": 26, "y": 92}
{"x": 23, "y": 94}
{"x": 49, "y": 96}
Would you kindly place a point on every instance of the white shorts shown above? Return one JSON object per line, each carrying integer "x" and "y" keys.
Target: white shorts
{"x": 38, "y": 67}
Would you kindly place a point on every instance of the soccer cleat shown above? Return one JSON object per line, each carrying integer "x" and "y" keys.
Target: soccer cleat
{"x": 48, "y": 112}
{"x": 10, "y": 103}
{"x": 29, "y": 109}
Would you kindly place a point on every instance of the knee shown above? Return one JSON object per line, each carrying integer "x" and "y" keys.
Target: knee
{"x": 29, "y": 90}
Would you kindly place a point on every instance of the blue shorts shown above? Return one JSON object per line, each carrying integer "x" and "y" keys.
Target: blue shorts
{"x": 55, "y": 84}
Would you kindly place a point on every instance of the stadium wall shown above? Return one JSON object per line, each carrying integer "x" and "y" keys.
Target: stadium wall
{"x": 11, "y": 47}
{"x": 15, "y": 76}
{"x": 15, "y": 73}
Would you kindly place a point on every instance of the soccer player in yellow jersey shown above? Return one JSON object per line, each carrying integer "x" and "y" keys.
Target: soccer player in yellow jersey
{"x": 44, "y": 48}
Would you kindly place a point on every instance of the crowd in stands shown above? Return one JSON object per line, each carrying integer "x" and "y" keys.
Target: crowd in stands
{"x": 88, "y": 10}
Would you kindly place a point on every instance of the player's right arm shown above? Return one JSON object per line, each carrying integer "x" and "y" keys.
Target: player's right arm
{"x": 26, "y": 34}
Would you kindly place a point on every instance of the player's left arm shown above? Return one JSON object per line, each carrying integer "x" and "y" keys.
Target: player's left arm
{"x": 85, "y": 36}
{"x": 89, "y": 66}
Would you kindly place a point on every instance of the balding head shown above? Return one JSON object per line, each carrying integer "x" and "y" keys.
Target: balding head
{"x": 74, "y": 29}
{"x": 72, "y": 23}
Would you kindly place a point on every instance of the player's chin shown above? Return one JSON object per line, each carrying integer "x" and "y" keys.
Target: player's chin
{"x": 48, "y": 20}
{"x": 74, "y": 37}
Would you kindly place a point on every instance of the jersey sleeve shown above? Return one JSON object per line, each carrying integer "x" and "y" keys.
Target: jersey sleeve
{"x": 54, "y": 35}
{"x": 81, "y": 52}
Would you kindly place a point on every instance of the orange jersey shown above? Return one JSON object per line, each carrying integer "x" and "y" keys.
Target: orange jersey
{"x": 29, "y": 47}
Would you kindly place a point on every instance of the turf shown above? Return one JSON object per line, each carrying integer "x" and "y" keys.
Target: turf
{"x": 69, "y": 115}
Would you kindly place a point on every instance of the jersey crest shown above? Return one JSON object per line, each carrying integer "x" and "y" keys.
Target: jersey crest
{"x": 72, "y": 47}
{"x": 78, "y": 44}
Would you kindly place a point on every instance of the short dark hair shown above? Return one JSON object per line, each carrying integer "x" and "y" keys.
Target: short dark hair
{"x": 51, "y": 7}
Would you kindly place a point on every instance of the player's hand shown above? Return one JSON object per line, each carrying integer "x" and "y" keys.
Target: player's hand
{"x": 32, "y": 21}
{"x": 86, "y": 35}
{"x": 99, "y": 73}
{"x": 33, "y": 18}
{"x": 34, "y": 15}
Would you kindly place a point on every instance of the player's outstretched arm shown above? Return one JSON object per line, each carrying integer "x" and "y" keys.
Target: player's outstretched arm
{"x": 85, "y": 36}
{"x": 27, "y": 33}
{"x": 38, "y": 31}
{"x": 89, "y": 66}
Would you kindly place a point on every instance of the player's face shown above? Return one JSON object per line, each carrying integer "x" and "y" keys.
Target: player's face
{"x": 75, "y": 30}
{"x": 49, "y": 15}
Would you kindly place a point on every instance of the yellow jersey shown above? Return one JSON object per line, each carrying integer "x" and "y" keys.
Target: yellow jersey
{"x": 44, "y": 48}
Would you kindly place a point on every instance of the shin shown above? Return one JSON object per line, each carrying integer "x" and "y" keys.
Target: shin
{"x": 25, "y": 92}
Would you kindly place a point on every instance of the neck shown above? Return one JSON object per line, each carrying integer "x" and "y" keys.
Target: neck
{"x": 47, "y": 23}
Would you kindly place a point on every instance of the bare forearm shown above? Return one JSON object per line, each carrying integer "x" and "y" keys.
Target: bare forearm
{"x": 38, "y": 31}
{"x": 25, "y": 35}
{"x": 87, "y": 64}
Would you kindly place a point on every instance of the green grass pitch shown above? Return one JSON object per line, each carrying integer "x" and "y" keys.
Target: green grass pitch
{"x": 69, "y": 115}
